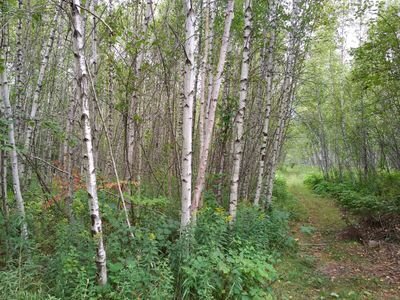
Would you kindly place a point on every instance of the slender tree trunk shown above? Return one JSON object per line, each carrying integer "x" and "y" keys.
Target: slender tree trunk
{"x": 4, "y": 197}
{"x": 268, "y": 96}
{"x": 93, "y": 71}
{"x": 284, "y": 114}
{"x": 187, "y": 126}
{"x": 221, "y": 175}
{"x": 203, "y": 163}
{"x": 39, "y": 83}
{"x": 286, "y": 101}
{"x": 212, "y": 14}
{"x": 110, "y": 89}
{"x": 121, "y": 194}
{"x": 69, "y": 151}
{"x": 132, "y": 132}
{"x": 322, "y": 139}
{"x": 206, "y": 70}
{"x": 93, "y": 58}
{"x": 8, "y": 114}
{"x": 273, "y": 161}
{"x": 18, "y": 71}
{"x": 82, "y": 79}
{"x": 244, "y": 82}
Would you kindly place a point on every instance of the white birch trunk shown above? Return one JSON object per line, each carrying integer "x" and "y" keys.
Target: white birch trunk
{"x": 93, "y": 59}
{"x": 4, "y": 196}
{"x": 5, "y": 93}
{"x": 39, "y": 83}
{"x": 110, "y": 91}
{"x": 18, "y": 75}
{"x": 268, "y": 96}
{"x": 68, "y": 152}
{"x": 206, "y": 70}
{"x": 187, "y": 125}
{"x": 287, "y": 97}
{"x": 238, "y": 142}
{"x": 93, "y": 72}
{"x": 82, "y": 76}
{"x": 200, "y": 181}
{"x": 273, "y": 161}
{"x": 209, "y": 65}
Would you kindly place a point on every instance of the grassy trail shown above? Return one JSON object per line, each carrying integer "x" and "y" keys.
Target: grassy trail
{"x": 326, "y": 266}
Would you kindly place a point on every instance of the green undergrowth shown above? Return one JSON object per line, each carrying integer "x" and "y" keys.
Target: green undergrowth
{"x": 284, "y": 200}
{"x": 303, "y": 274}
{"x": 373, "y": 198}
{"x": 212, "y": 260}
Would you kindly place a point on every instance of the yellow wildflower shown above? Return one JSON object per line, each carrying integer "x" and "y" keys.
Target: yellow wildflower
{"x": 228, "y": 218}
{"x": 220, "y": 211}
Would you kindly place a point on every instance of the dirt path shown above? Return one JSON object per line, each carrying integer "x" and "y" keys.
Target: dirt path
{"x": 327, "y": 266}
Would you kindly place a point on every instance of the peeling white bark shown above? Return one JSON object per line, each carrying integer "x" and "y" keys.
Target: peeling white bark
{"x": 18, "y": 75}
{"x": 68, "y": 151}
{"x": 8, "y": 113}
{"x": 110, "y": 90}
{"x": 187, "y": 125}
{"x": 206, "y": 71}
{"x": 82, "y": 80}
{"x": 268, "y": 96}
{"x": 238, "y": 130}
{"x": 42, "y": 70}
{"x": 200, "y": 181}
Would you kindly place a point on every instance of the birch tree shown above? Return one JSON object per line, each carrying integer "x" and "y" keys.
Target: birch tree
{"x": 268, "y": 96}
{"x": 39, "y": 84}
{"x": 83, "y": 85}
{"x": 8, "y": 114}
{"x": 286, "y": 101}
{"x": 18, "y": 69}
{"x": 187, "y": 124}
{"x": 244, "y": 82}
{"x": 209, "y": 125}
{"x": 206, "y": 72}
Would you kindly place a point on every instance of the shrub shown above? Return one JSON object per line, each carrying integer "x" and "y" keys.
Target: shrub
{"x": 378, "y": 196}
{"x": 313, "y": 180}
{"x": 280, "y": 191}
{"x": 231, "y": 274}
{"x": 284, "y": 201}
{"x": 212, "y": 260}
{"x": 230, "y": 262}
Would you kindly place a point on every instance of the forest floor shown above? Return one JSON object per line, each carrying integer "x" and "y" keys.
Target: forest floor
{"x": 328, "y": 266}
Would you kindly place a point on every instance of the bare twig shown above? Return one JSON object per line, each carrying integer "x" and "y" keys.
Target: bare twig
{"x": 47, "y": 163}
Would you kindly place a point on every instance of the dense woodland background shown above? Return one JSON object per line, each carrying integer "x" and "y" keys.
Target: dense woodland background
{"x": 140, "y": 140}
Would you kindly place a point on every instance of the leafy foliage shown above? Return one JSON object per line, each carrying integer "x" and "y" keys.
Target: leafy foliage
{"x": 374, "y": 199}
{"x": 232, "y": 262}
{"x": 212, "y": 260}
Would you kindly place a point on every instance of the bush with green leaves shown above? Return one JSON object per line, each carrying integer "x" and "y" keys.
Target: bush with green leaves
{"x": 227, "y": 274}
{"x": 217, "y": 260}
{"x": 374, "y": 198}
{"x": 214, "y": 259}
{"x": 284, "y": 201}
